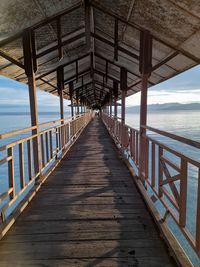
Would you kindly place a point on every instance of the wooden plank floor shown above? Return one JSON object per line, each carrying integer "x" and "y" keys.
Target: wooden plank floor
{"x": 88, "y": 213}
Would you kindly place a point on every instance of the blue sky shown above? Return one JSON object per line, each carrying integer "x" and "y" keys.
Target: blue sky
{"x": 184, "y": 88}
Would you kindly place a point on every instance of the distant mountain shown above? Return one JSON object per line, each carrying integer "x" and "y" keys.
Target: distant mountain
{"x": 25, "y": 109}
{"x": 166, "y": 107}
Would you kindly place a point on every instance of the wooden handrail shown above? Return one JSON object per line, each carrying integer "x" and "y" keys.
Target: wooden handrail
{"x": 184, "y": 140}
{"x": 53, "y": 142}
{"x": 11, "y": 133}
{"x": 173, "y": 151}
{"x": 159, "y": 170}
{"x": 27, "y": 129}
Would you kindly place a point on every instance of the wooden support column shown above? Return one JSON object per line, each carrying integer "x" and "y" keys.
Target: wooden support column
{"x": 60, "y": 84}
{"x": 71, "y": 89}
{"x": 110, "y": 104}
{"x": 115, "y": 93}
{"x": 123, "y": 87}
{"x": 30, "y": 68}
{"x": 77, "y": 101}
{"x": 145, "y": 70}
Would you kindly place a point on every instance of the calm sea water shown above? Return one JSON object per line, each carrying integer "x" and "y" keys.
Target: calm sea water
{"x": 186, "y": 124}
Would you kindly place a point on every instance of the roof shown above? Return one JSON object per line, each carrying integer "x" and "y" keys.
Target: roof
{"x": 114, "y": 35}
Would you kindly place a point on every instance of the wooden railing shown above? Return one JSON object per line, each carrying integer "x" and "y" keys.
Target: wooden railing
{"x": 54, "y": 138}
{"x": 165, "y": 173}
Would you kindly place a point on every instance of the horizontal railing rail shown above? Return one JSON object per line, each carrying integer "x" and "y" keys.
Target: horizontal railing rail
{"x": 167, "y": 174}
{"x": 181, "y": 139}
{"x": 17, "y": 157}
{"x": 40, "y": 125}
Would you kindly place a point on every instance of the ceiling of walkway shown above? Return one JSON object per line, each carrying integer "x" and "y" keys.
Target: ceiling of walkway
{"x": 93, "y": 47}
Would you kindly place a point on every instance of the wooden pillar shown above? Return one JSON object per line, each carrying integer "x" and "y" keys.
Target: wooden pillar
{"x": 123, "y": 87}
{"x": 115, "y": 109}
{"x": 30, "y": 68}
{"x": 77, "y": 101}
{"x": 71, "y": 88}
{"x": 145, "y": 70}
{"x": 110, "y": 104}
{"x": 60, "y": 84}
{"x": 115, "y": 93}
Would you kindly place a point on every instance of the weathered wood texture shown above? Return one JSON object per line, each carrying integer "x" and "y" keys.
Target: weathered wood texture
{"x": 88, "y": 213}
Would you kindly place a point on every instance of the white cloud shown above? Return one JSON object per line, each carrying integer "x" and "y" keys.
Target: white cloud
{"x": 164, "y": 96}
{"x": 17, "y": 95}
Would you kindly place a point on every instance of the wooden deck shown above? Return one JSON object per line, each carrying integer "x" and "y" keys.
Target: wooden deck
{"x": 88, "y": 213}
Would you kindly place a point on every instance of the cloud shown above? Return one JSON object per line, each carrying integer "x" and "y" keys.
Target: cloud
{"x": 166, "y": 97}
{"x": 15, "y": 93}
{"x": 183, "y": 88}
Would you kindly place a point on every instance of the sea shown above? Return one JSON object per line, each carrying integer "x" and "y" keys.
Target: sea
{"x": 183, "y": 123}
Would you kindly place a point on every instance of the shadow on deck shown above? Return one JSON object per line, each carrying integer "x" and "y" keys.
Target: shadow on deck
{"x": 88, "y": 213}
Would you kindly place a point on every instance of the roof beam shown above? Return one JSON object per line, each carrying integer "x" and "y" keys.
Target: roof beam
{"x": 116, "y": 40}
{"x": 134, "y": 84}
{"x": 79, "y": 87}
{"x": 61, "y": 44}
{"x": 104, "y": 85}
{"x": 50, "y": 84}
{"x": 135, "y": 26}
{"x": 63, "y": 65}
{"x": 87, "y": 23}
{"x": 165, "y": 60}
{"x": 12, "y": 60}
{"x": 123, "y": 50}
{"x": 54, "y": 17}
{"x": 115, "y": 64}
{"x": 83, "y": 72}
{"x": 59, "y": 37}
{"x": 40, "y": 24}
{"x": 103, "y": 74}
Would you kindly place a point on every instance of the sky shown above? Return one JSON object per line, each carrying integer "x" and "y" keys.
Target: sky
{"x": 184, "y": 88}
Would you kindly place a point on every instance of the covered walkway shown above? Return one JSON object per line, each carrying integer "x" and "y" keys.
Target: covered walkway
{"x": 88, "y": 213}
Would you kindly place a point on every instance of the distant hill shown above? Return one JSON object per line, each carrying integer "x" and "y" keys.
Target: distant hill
{"x": 166, "y": 107}
{"x": 25, "y": 109}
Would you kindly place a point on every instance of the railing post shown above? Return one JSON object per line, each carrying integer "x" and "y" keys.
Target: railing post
{"x": 145, "y": 70}
{"x": 30, "y": 68}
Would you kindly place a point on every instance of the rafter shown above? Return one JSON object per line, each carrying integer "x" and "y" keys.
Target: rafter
{"x": 11, "y": 59}
{"x": 61, "y": 44}
{"x": 106, "y": 41}
{"x": 135, "y": 26}
{"x": 63, "y": 65}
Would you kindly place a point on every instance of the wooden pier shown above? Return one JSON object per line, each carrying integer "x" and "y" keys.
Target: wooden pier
{"x": 87, "y": 213}
{"x": 86, "y": 205}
